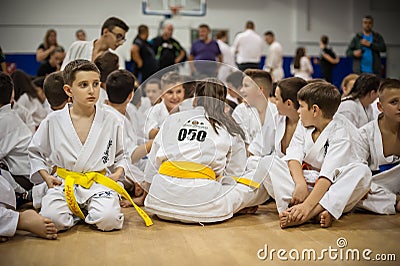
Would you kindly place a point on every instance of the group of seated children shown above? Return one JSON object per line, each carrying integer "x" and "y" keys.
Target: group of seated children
{"x": 197, "y": 162}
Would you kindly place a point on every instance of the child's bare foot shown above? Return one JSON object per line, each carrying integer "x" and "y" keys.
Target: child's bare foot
{"x": 137, "y": 200}
{"x": 398, "y": 203}
{"x": 286, "y": 222}
{"x": 248, "y": 210}
{"x": 33, "y": 222}
{"x": 125, "y": 203}
{"x": 140, "y": 200}
{"x": 284, "y": 218}
{"x": 326, "y": 219}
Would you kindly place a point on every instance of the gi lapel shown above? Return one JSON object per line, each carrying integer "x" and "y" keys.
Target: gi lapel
{"x": 88, "y": 149}
{"x": 322, "y": 143}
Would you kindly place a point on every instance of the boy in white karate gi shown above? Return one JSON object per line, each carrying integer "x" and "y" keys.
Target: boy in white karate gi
{"x": 276, "y": 133}
{"x": 53, "y": 87}
{"x": 84, "y": 142}
{"x": 14, "y": 137}
{"x": 321, "y": 175}
{"x": 253, "y": 113}
{"x": 173, "y": 94}
{"x": 381, "y": 148}
{"x": 121, "y": 86}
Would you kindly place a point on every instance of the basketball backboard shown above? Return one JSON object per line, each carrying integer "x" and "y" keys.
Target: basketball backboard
{"x": 174, "y": 7}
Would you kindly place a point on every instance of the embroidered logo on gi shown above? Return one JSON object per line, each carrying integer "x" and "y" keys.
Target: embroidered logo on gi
{"x": 107, "y": 152}
{"x": 326, "y": 146}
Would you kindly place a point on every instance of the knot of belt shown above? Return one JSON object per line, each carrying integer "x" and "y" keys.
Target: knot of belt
{"x": 86, "y": 180}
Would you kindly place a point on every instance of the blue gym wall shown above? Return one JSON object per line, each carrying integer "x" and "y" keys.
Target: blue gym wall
{"x": 28, "y": 63}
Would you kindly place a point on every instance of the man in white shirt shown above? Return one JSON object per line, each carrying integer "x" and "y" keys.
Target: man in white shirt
{"x": 248, "y": 47}
{"x": 227, "y": 56}
{"x": 274, "y": 61}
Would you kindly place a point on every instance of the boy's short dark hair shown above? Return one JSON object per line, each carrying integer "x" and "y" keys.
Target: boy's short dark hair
{"x": 6, "y": 88}
{"x": 289, "y": 87}
{"x": 107, "y": 62}
{"x": 171, "y": 77}
{"x": 236, "y": 79}
{"x": 70, "y": 70}
{"x": 388, "y": 84}
{"x": 261, "y": 77}
{"x": 120, "y": 83}
{"x": 113, "y": 22}
{"x": 325, "y": 95}
{"x": 53, "y": 87}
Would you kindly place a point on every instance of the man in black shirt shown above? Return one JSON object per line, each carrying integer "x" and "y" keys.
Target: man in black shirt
{"x": 142, "y": 54}
{"x": 168, "y": 51}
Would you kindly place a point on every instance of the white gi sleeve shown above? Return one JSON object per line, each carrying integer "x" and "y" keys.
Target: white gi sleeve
{"x": 236, "y": 158}
{"x": 122, "y": 159}
{"x": 295, "y": 150}
{"x": 38, "y": 150}
{"x": 363, "y": 149}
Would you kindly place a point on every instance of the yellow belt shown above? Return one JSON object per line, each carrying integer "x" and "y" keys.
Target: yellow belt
{"x": 86, "y": 180}
{"x": 196, "y": 170}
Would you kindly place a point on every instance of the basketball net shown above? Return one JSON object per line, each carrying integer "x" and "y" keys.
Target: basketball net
{"x": 175, "y": 10}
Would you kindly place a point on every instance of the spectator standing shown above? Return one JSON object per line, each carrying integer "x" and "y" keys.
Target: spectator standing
{"x": 248, "y": 47}
{"x": 274, "y": 61}
{"x": 365, "y": 48}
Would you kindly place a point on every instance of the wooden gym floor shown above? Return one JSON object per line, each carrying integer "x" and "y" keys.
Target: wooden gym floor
{"x": 233, "y": 242}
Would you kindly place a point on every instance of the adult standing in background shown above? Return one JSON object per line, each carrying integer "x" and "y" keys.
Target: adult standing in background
{"x": 168, "y": 51}
{"x": 206, "y": 49}
{"x": 112, "y": 35}
{"x": 142, "y": 54}
{"x": 227, "y": 55}
{"x": 274, "y": 61}
{"x": 80, "y": 35}
{"x": 365, "y": 49}
{"x": 328, "y": 59}
{"x": 48, "y": 46}
{"x": 248, "y": 48}
{"x": 301, "y": 66}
